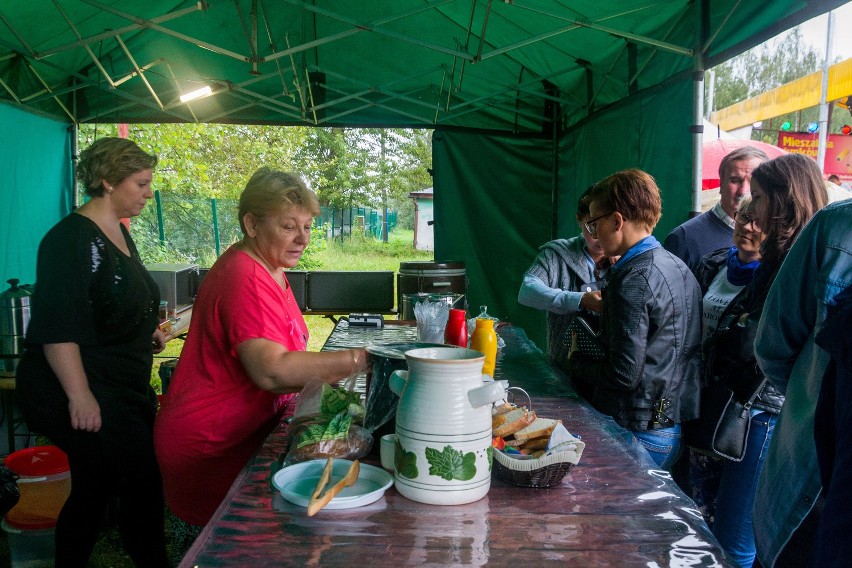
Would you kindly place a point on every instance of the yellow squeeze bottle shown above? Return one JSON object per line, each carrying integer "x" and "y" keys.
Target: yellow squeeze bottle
{"x": 484, "y": 340}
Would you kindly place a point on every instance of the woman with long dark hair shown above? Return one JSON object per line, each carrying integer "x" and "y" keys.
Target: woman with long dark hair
{"x": 786, "y": 193}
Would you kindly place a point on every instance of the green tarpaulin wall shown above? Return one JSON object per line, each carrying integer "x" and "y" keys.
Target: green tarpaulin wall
{"x": 493, "y": 198}
{"x": 35, "y": 187}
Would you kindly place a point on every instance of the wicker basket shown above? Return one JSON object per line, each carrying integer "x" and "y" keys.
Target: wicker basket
{"x": 543, "y": 472}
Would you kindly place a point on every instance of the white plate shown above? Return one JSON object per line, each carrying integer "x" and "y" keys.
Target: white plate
{"x": 298, "y": 481}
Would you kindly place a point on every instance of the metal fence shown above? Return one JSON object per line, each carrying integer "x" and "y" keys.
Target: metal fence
{"x": 354, "y": 220}
{"x": 198, "y": 229}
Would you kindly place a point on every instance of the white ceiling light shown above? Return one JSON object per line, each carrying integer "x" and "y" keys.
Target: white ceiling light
{"x": 197, "y": 94}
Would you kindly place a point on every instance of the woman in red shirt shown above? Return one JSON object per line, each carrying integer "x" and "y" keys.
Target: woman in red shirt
{"x": 245, "y": 353}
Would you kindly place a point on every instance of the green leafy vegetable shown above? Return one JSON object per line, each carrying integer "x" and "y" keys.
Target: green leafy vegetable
{"x": 451, "y": 464}
{"x": 335, "y": 400}
{"x": 335, "y": 429}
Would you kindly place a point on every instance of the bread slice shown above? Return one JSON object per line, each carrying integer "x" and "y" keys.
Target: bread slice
{"x": 514, "y": 421}
{"x": 509, "y": 415}
{"x": 503, "y": 409}
{"x": 539, "y": 428}
{"x": 535, "y": 443}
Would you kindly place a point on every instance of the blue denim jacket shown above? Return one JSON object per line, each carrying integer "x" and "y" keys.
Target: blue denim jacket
{"x": 817, "y": 268}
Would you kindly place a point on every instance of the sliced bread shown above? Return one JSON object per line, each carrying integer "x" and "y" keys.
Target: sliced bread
{"x": 539, "y": 428}
{"x": 502, "y": 408}
{"x": 514, "y": 421}
{"x": 536, "y": 443}
{"x": 509, "y": 415}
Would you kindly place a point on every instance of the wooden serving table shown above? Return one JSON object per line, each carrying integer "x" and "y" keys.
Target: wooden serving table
{"x": 613, "y": 509}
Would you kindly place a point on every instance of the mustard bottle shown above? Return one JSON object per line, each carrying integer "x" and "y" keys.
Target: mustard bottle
{"x": 484, "y": 340}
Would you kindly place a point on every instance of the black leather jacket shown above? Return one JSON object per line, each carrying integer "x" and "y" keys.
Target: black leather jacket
{"x": 651, "y": 332}
{"x": 729, "y": 352}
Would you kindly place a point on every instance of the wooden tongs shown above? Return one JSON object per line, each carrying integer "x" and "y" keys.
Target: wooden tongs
{"x": 316, "y": 503}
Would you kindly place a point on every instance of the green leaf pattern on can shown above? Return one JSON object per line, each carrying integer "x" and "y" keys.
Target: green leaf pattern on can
{"x": 405, "y": 463}
{"x": 451, "y": 464}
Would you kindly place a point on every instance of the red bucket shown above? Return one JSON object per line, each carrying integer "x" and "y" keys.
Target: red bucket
{"x": 44, "y": 483}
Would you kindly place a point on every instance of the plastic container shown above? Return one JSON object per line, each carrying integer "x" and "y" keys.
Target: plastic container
{"x": 456, "y": 330}
{"x": 30, "y": 548}
{"x": 484, "y": 340}
{"x": 44, "y": 483}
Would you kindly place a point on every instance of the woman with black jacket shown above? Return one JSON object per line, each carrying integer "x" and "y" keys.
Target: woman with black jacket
{"x": 648, "y": 380}
{"x": 786, "y": 192}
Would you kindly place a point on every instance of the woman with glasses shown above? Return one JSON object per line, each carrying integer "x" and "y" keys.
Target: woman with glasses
{"x": 563, "y": 282}
{"x": 648, "y": 380}
{"x": 722, "y": 274}
{"x": 786, "y": 193}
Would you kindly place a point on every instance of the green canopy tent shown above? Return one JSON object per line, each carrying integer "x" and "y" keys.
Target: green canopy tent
{"x": 531, "y": 100}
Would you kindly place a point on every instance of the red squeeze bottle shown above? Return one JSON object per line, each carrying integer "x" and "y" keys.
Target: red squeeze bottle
{"x": 456, "y": 330}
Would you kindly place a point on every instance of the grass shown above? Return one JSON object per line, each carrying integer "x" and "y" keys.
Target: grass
{"x": 349, "y": 254}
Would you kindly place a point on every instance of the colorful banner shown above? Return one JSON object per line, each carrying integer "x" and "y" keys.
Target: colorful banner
{"x": 838, "y": 153}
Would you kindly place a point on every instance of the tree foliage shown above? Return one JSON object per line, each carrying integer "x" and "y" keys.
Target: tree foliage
{"x": 767, "y": 67}
{"x": 361, "y": 166}
{"x": 199, "y": 163}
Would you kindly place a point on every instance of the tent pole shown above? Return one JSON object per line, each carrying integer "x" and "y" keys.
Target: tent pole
{"x": 697, "y": 128}
{"x": 823, "y": 99}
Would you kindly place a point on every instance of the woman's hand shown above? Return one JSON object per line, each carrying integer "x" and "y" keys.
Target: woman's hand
{"x": 359, "y": 360}
{"x": 158, "y": 341}
{"x": 272, "y": 367}
{"x": 592, "y": 301}
{"x": 85, "y": 412}
{"x": 65, "y": 360}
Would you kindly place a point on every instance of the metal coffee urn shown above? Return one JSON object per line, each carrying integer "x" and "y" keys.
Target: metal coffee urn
{"x": 14, "y": 318}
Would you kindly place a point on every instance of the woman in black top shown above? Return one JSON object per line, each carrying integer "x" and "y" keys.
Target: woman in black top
{"x": 84, "y": 379}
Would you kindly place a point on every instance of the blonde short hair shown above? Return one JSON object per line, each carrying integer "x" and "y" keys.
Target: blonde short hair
{"x": 271, "y": 190}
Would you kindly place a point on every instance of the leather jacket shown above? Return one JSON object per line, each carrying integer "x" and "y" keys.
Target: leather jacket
{"x": 651, "y": 333}
{"x": 729, "y": 352}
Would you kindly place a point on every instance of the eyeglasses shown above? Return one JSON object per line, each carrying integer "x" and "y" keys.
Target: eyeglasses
{"x": 592, "y": 224}
{"x": 744, "y": 219}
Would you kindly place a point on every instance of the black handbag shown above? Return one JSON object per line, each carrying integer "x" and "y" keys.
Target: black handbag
{"x": 9, "y": 493}
{"x": 587, "y": 339}
{"x": 723, "y": 424}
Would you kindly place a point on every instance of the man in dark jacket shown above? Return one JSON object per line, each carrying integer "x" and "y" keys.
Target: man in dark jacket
{"x": 649, "y": 378}
{"x": 714, "y": 229}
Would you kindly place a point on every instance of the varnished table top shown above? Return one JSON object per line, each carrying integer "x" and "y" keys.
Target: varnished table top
{"x": 613, "y": 509}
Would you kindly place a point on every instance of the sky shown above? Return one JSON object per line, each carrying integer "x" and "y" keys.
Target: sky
{"x": 815, "y": 32}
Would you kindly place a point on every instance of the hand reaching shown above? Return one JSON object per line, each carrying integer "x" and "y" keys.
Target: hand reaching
{"x": 592, "y": 301}
{"x": 158, "y": 341}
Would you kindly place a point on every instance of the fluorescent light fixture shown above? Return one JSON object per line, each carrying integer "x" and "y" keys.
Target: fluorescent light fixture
{"x": 196, "y": 94}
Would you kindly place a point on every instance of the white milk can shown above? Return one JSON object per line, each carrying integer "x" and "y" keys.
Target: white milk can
{"x": 442, "y": 454}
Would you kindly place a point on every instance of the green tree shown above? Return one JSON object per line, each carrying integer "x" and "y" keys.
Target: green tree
{"x": 766, "y": 67}
{"x": 200, "y": 163}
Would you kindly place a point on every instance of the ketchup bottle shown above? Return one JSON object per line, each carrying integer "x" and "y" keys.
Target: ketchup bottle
{"x": 456, "y": 330}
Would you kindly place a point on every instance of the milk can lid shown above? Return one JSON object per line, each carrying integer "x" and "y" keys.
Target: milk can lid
{"x": 429, "y": 265}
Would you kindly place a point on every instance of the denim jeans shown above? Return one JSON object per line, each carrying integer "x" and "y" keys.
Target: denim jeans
{"x": 733, "y": 525}
{"x": 663, "y": 445}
